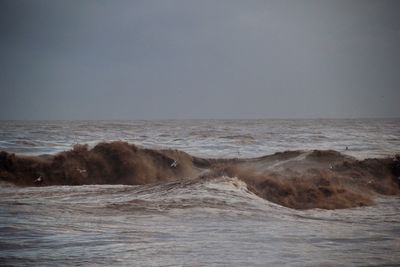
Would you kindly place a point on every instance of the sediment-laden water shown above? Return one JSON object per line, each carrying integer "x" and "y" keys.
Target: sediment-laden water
{"x": 219, "y": 220}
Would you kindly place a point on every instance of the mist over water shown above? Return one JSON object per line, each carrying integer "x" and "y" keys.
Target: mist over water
{"x": 212, "y": 222}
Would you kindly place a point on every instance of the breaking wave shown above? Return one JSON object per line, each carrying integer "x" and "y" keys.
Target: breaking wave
{"x": 294, "y": 179}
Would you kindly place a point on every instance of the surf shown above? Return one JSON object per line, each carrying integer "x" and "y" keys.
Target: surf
{"x": 294, "y": 179}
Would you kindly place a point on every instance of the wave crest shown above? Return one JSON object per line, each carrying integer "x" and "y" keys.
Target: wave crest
{"x": 295, "y": 179}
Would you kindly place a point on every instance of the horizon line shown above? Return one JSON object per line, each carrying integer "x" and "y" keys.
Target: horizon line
{"x": 204, "y": 119}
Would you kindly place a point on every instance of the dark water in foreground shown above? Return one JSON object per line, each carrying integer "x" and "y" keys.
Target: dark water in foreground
{"x": 194, "y": 223}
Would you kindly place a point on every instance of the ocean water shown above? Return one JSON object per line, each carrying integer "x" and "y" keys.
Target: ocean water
{"x": 216, "y": 222}
{"x": 209, "y": 138}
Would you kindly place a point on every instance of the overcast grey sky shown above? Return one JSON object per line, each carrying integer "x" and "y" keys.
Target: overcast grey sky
{"x": 199, "y": 59}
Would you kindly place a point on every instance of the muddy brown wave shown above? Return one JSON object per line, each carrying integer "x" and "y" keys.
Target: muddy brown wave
{"x": 295, "y": 179}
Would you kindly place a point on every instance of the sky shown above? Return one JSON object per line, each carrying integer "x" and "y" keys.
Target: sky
{"x": 186, "y": 59}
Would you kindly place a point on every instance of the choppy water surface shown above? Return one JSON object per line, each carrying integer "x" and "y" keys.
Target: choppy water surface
{"x": 194, "y": 223}
{"x": 210, "y": 138}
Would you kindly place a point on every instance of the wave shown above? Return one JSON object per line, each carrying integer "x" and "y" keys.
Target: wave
{"x": 295, "y": 179}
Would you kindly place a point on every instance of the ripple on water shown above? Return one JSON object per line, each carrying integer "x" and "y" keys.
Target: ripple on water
{"x": 217, "y": 222}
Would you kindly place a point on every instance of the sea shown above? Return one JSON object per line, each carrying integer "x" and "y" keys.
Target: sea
{"x": 215, "y": 222}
